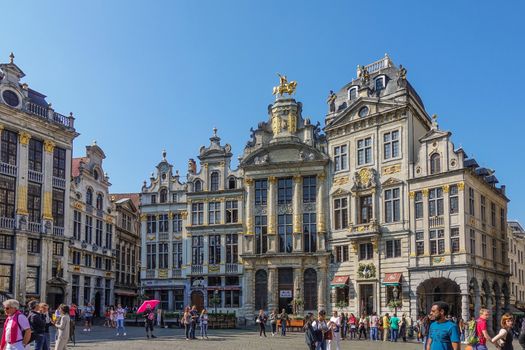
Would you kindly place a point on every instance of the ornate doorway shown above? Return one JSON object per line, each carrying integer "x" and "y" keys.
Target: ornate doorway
{"x": 197, "y": 299}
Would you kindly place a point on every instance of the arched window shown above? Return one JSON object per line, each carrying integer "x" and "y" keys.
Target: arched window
{"x": 163, "y": 195}
{"x": 214, "y": 181}
{"x": 95, "y": 174}
{"x": 100, "y": 201}
{"x": 197, "y": 186}
{"x": 89, "y": 196}
{"x": 310, "y": 289}
{"x": 261, "y": 290}
{"x": 231, "y": 183}
{"x": 380, "y": 83}
{"x": 435, "y": 163}
{"x": 352, "y": 94}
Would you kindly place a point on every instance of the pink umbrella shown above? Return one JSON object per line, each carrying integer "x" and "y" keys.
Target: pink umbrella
{"x": 145, "y": 304}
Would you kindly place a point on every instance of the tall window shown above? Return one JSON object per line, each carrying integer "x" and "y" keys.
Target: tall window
{"x": 352, "y": 95}
{"x": 261, "y": 191}
{"x": 232, "y": 212}
{"x": 98, "y": 233}
{"x": 59, "y": 162}
{"x": 309, "y": 189}
{"x": 494, "y": 250}
{"x": 163, "y": 255}
{"x": 34, "y": 201}
{"x": 393, "y": 248}
{"x": 284, "y": 190}
{"x": 197, "y": 250}
{"x": 151, "y": 256}
{"x": 483, "y": 245}
{"x": 197, "y": 185}
{"x": 364, "y": 151}
{"x": 98, "y": 262}
{"x": 89, "y": 196}
{"x": 472, "y": 242}
{"x": 7, "y": 196}
{"x": 391, "y": 144}
{"x": 309, "y": 232}
{"x": 6, "y": 278}
{"x": 76, "y": 257}
{"x": 483, "y": 209}
{"x": 214, "y": 213}
{"x": 163, "y": 223}
{"x": 380, "y": 83}
{"x": 366, "y": 251}
{"x": 177, "y": 222}
{"x": 88, "y": 260}
{"x": 151, "y": 224}
{"x": 435, "y": 163}
{"x": 232, "y": 250}
{"x": 35, "y": 155}
{"x": 32, "y": 280}
{"x": 33, "y": 245}
{"x": 454, "y": 202}
{"x": 502, "y": 220}
{"x": 493, "y": 214}
{"x": 214, "y": 181}
{"x": 471, "y": 202}
{"x": 100, "y": 201}
{"x": 437, "y": 242}
{"x": 75, "y": 289}
{"x": 87, "y": 289}
{"x": 341, "y": 213}
{"x": 232, "y": 183}
{"x": 285, "y": 233}
{"x": 153, "y": 199}
{"x": 435, "y": 201}
{"x": 58, "y": 207}
{"x": 392, "y": 206}
{"x": 341, "y": 253}
{"x": 109, "y": 235}
{"x": 88, "y": 233}
{"x": 177, "y": 255}
{"x": 197, "y": 213}
{"x": 418, "y": 204}
{"x": 163, "y": 197}
{"x": 454, "y": 239}
{"x": 9, "y": 147}
{"x": 261, "y": 231}
{"x": 6, "y": 242}
{"x": 341, "y": 157}
{"x": 365, "y": 209}
{"x": 214, "y": 249}
{"x": 420, "y": 243}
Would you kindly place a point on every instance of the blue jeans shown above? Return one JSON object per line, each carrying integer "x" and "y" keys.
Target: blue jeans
{"x": 204, "y": 330}
{"x": 393, "y": 334}
{"x": 283, "y": 328}
{"x": 321, "y": 345}
{"x": 40, "y": 340}
{"x": 480, "y": 347}
{"x": 120, "y": 326}
{"x": 373, "y": 333}
{"x": 192, "y": 330}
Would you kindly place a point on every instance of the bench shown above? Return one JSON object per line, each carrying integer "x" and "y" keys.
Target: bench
{"x": 292, "y": 325}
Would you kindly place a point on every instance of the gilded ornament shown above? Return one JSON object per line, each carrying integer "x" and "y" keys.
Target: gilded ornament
{"x": 393, "y": 169}
{"x": 292, "y": 122}
{"x": 412, "y": 194}
{"x": 21, "y": 207}
{"x": 276, "y": 124}
{"x": 341, "y": 180}
{"x": 297, "y": 178}
{"x": 461, "y": 186}
{"x": 321, "y": 176}
{"x": 24, "y": 138}
{"x": 284, "y": 86}
{"x": 248, "y": 181}
{"x": 48, "y": 202}
{"x": 425, "y": 192}
{"x": 446, "y": 188}
{"x": 184, "y": 214}
{"x": 49, "y": 146}
{"x": 272, "y": 180}
{"x": 143, "y": 217}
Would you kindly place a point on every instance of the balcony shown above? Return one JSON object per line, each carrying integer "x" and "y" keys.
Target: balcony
{"x": 50, "y": 115}
{"x": 232, "y": 268}
{"x": 59, "y": 182}
{"x": 367, "y": 229}
{"x": 8, "y": 169}
{"x": 58, "y": 231}
{"x": 35, "y": 227}
{"x": 197, "y": 269}
{"x": 176, "y": 273}
{"x": 436, "y": 221}
{"x": 8, "y": 223}
{"x": 35, "y": 176}
{"x": 378, "y": 65}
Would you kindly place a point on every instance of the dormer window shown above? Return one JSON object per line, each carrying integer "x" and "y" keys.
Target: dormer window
{"x": 435, "y": 163}
{"x": 163, "y": 195}
{"x": 100, "y": 201}
{"x": 214, "y": 181}
{"x": 380, "y": 83}
{"x": 231, "y": 183}
{"x": 89, "y": 196}
{"x": 352, "y": 93}
{"x": 95, "y": 175}
{"x": 197, "y": 186}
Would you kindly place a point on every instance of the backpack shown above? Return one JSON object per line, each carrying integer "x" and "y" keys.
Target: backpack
{"x": 473, "y": 339}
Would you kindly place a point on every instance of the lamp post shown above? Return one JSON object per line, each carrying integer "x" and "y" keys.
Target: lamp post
{"x": 215, "y": 296}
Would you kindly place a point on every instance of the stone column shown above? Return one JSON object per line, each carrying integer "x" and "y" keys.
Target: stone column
{"x": 249, "y": 285}
{"x": 465, "y": 306}
{"x": 143, "y": 230}
{"x": 426, "y": 231}
{"x": 489, "y": 307}
{"x": 20, "y": 266}
{"x": 297, "y": 213}
{"x": 411, "y": 204}
{"x": 47, "y": 185}
{"x": 298, "y": 284}
{"x": 446, "y": 218}
{"x": 320, "y": 211}
{"x": 273, "y": 300}
{"x": 463, "y": 234}
{"x": 322, "y": 274}
{"x": 21, "y": 181}
{"x": 249, "y": 206}
{"x": 272, "y": 217}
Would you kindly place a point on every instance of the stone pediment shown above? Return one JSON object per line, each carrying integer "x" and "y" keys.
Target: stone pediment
{"x": 350, "y": 113}
{"x": 340, "y": 192}
{"x": 284, "y": 153}
{"x": 391, "y": 181}
{"x": 434, "y": 134}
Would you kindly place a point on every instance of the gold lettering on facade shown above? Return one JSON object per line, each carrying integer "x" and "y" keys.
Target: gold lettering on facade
{"x": 393, "y": 169}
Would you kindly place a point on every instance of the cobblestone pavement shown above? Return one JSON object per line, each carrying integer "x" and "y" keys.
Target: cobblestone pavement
{"x": 104, "y": 338}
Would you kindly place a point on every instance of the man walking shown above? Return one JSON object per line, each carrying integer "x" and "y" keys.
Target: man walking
{"x": 481, "y": 329}
{"x": 386, "y": 327}
{"x": 394, "y": 328}
{"x": 37, "y": 323}
{"x": 443, "y": 333}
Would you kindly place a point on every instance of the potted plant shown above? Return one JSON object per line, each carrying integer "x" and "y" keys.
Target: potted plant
{"x": 297, "y": 303}
{"x": 341, "y": 304}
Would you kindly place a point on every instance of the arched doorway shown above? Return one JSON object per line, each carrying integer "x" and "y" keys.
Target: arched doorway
{"x": 98, "y": 304}
{"x": 197, "y": 299}
{"x": 310, "y": 289}
{"x": 439, "y": 289}
{"x": 261, "y": 290}
{"x": 55, "y": 296}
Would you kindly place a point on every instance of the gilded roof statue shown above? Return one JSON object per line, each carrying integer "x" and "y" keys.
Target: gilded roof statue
{"x": 284, "y": 86}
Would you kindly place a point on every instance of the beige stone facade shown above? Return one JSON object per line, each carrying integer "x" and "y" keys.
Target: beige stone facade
{"x": 516, "y": 247}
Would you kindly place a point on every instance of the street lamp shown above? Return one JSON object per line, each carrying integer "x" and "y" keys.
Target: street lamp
{"x": 215, "y": 296}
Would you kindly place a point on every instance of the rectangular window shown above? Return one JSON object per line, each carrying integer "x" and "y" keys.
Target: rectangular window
{"x": 391, "y": 144}
{"x": 472, "y": 242}
{"x": 454, "y": 239}
{"x": 197, "y": 213}
{"x": 109, "y": 235}
{"x": 58, "y": 207}
{"x": 393, "y": 248}
{"x": 34, "y": 198}
{"x": 98, "y": 262}
{"x": 453, "y": 197}
{"x": 493, "y": 214}
{"x": 284, "y": 229}
{"x": 232, "y": 249}
{"x": 437, "y": 242}
{"x": 284, "y": 190}
{"x": 502, "y": 221}
{"x": 364, "y": 151}
{"x": 261, "y": 232}
{"x": 163, "y": 255}
{"x": 76, "y": 257}
{"x": 232, "y": 298}
{"x": 151, "y": 256}
{"x": 77, "y": 224}
{"x": 59, "y": 162}
{"x": 33, "y": 245}
{"x": 420, "y": 243}
{"x": 341, "y": 253}
{"x": 7, "y": 196}
{"x": 232, "y": 212}
{"x": 197, "y": 250}
{"x": 392, "y": 205}
{"x": 107, "y": 264}
{"x": 151, "y": 224}
{"x": 32, "y": 280}
{"x": 6, "y": 242}
{"x": 261, "y": 191}
{"x": 483, "y": 208}
{"x": 163, "y": 223}
{"x": 494, "y": 250}
{"x": 88, "y": 260}
{"x": 471, "y": 202}
{"x": 340, "y": 157}
{"x": 341, "y": 213}
{"x": 418, "y": 203}
{"x": 214, "y": 249}
{"x": 9, "y": 147}
{"x": 177, "y": 222}
{"x": 153, "y": 199}
{"x": 35, "y": 155}
{"x": 177, "y": 255}
{"x": 87, "y": 289}
{"x": 484, "y": 245}
{"x": 365, "y": 209}
{"x": 6, "y": 278}
{"x": 214, "y": 213}
{"x": 98, "y": 233}
{"x": 366, "y": 251}
{"x": 88, "y": 234}
{"x": 309, "y": 189}
{"x": 435, "y": 202}
{"x": 309, "y": 232}
{"x": 75, "y": 288}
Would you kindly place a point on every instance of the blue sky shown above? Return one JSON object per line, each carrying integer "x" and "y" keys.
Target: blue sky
{"x": 141, "y": 76}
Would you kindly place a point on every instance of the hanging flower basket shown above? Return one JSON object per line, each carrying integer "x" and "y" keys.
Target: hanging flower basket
{"x": 394, "y": 304}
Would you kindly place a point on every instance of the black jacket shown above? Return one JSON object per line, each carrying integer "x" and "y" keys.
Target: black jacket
{"x": 38, "y": 324}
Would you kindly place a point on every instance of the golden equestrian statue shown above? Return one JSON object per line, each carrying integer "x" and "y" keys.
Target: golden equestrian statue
{"x": 284, "y": 87}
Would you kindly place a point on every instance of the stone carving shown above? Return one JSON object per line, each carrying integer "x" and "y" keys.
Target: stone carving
{"x": 284, "y": 209}
{"x": 366, "y": 270}
{"x": 331, "y": 101}
{"x": 309, "y": 207}
{"x": 306, "y": 155}
{"x": 260, "y": 210}
{"x": 364, "y": 179}
{"x": 284, "y": 86}
{"x": 392, "y": 169}
{"x": 262, "y": 159}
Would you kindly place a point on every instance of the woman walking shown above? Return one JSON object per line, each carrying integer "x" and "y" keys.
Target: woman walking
{"x": 321, "y": 331}
{"x": 403, "y": 328}
{"x": 503, "y": 340}
{"x": 62, "y": 326}
{"x": 112, "y": 317}
{"x": 261, "y": 320}
{"x": 204, "y": 323}
{"x": 186, "y": 321}
{"x": 352, "y": 324}
{"x": 309, "y": 332}
{"x": 121, "y": 313}
{"x": 273, "y": 321}
{"x": 149, "y": 321}
{"x": 284, "y": 320}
